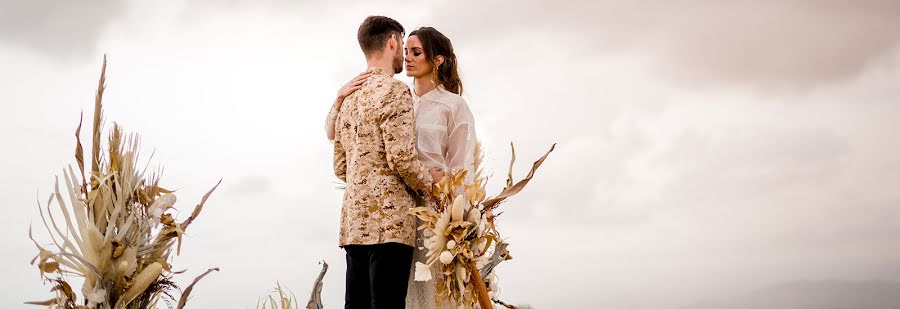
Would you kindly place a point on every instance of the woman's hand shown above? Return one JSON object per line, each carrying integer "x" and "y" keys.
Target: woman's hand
{"x": 436, "y": 174}
{"x": 351, "y": 86}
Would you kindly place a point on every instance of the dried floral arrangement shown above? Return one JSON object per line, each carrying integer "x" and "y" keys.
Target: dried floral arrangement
{"x": 461, "y": 235}
{"x": 117, "y": 230}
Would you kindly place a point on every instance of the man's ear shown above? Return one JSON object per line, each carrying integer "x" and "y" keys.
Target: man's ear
{"x": 392, "y": 41}
{"x": 438, "y": 60}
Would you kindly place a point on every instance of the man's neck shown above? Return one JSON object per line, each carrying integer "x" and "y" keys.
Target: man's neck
{"x": 385, "y": 65}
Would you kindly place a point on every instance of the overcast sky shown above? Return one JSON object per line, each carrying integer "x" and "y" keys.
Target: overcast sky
{"x": 705, "y": 148}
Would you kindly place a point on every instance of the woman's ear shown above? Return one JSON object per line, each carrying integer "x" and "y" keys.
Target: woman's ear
{"x": 438, "y": 60}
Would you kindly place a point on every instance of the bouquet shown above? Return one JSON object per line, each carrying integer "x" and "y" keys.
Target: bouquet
{"x": 461, "y": 235}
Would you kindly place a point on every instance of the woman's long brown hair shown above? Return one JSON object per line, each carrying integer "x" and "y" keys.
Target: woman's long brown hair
{"x": 436, "y": 44}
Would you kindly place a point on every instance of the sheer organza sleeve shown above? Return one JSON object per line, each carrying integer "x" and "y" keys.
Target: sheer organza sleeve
{"x": 461, "y": 143}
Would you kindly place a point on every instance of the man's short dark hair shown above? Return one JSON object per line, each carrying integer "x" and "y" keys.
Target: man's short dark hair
{"x": 375, "y": 31}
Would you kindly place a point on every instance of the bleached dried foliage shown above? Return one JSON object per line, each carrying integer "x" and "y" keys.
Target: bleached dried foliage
{"x": 461, "y": 235}
{"x": 117, "y": 230}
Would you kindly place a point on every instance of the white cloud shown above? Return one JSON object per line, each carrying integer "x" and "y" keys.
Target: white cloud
{"x": 62, "y": 30}
{"x": 784, "y": 46}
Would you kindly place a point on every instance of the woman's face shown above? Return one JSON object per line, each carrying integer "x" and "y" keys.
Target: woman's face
{"x": 417, "y": 65}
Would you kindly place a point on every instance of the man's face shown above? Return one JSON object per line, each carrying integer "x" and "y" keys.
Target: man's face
{"x": 398, "y": 56}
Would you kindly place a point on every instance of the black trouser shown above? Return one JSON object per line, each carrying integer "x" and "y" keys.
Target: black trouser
{"x": 377, "y": 276}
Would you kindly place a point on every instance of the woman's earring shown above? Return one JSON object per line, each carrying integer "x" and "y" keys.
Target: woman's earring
{"x": 434, "y": 75}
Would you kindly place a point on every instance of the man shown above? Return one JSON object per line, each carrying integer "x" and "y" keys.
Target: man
{"x": 375, "y": 154}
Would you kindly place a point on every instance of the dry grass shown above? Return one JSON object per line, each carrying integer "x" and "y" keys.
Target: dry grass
{"x": 278, "y": 298}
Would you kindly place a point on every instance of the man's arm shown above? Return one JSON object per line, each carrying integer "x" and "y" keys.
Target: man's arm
{"x": 398, "y": 131}
{"x": 330, "y": 119}
{"x": 340, "y": 159}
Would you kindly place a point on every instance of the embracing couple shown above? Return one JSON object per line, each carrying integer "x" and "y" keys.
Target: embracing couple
{"x": 391, "y": 143}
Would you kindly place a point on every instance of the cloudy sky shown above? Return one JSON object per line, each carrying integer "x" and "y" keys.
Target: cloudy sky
{"x": 706, "y": 149}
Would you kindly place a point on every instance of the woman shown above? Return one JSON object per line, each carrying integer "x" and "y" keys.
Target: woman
{"x": 444, "y": 124}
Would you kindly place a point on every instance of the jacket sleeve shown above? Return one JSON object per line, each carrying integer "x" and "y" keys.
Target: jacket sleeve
{"x": 399, "y": 134}
{"x": 340, "y": 157}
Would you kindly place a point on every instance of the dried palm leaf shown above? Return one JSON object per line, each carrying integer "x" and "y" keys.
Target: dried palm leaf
{"x": 190, "y": 288}
{"x": 513, "y": 189}
{"x": 315, "y": 299}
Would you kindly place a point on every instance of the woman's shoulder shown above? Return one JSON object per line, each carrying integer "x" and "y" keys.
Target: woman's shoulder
{"x": 457, "y": 106}
{"x": 451, "y": 99}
